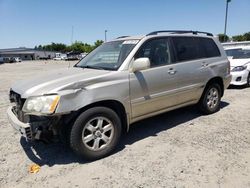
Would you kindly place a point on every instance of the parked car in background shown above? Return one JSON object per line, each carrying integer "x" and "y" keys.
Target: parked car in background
{"x": 121, "y": 82}
{"x": 44, "y": 58}
{"x": 82, "y": 55}
{"x": 15, "y": 59}
{"x": 72, "y": 56}
{"x": 60, "y": 56}
{"x": 239, "y": 58}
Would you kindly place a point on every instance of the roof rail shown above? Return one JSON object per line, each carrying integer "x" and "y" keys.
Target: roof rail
{"x": 180, "y": 32}
{"x": 122, "y": 37}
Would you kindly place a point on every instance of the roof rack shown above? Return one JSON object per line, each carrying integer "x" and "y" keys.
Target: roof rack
{"x": 122, "y": 37}
{"x": 180, "y": 32}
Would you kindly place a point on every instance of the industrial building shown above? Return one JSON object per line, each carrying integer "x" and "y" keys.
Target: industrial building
{"x": 27, "y": 53}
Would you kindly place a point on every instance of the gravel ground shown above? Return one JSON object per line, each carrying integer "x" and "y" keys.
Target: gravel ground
{"x": 177, "y": 149}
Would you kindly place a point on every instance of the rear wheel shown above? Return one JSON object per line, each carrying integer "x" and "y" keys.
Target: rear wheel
{"x": 95, "y": 133}
{"x": 211, "y": 98}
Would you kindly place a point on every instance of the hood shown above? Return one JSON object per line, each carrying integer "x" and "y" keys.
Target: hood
{"x": 238, "y": 62}
{"x": 54, "y": 81}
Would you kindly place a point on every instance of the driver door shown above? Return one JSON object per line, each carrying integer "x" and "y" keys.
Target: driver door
{"x": 149, "y": 89}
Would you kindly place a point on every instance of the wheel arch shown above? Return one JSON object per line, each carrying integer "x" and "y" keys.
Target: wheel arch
{"x": 115, "y": 105}
{"x": 217, "y": 80}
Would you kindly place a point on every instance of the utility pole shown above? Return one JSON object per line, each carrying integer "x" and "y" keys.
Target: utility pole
{"x": 72, "y": 34}
{"x": 105, "y": 33}
{"x": 225, "y": 28}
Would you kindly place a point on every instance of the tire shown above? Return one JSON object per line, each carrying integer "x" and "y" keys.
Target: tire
{"x": 95, "y": 133}
{"x": 248, "y": 80}
{"x": 210, "y": 99}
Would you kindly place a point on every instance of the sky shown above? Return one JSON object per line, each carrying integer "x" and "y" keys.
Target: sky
{"x": 27, "y": 23}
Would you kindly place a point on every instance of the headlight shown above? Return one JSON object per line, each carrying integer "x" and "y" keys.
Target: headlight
{"x": 239, "y": 68}
{"x": 42, "y": 104}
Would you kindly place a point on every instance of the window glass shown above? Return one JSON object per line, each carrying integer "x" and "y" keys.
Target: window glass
{"x": 186, "y": 48}
{"x": 108, "y": 56}
{"x": 201, "y": 52}
{"x": 191, "y": 48}
{"x": 210, "y": 47}
{"x": 238, "y": 53}
{"x": 157, "y": 50}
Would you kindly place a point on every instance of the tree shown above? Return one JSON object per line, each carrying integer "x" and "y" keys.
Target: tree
{"x": 223, "y": 38}
{"x": 244, "y": 37}
{"x": 247, "y": 36}
{"x": 58, "y": 47}
{"x": 98, "y": 43}
{"x": 77, "y": 46}
{"x": 238, "y": 38}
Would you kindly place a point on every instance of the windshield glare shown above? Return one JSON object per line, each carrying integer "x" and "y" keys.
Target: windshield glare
{"x": 108, "y": 56}
{"x": 238, "y": 53}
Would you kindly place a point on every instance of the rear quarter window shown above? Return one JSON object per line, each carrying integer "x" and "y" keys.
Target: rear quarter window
{"x": 192, "y": 48}
{"x": 211, "y": 49}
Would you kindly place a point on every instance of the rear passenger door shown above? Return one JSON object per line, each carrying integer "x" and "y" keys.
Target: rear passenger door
{"x": 180, "y": 69}
{"x": 195, "y": 56}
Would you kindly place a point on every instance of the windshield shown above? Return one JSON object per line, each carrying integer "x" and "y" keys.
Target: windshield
{"x": 108, "y": 56}
{"x": 238, "y": 53}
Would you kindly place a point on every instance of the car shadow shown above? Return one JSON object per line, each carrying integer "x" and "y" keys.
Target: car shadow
{"x": 58, "y": 153}
{"x": 49, "y": 154}
{"x": 237, "y": 87}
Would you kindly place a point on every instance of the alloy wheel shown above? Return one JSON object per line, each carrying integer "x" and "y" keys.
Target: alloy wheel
{"x": 98, "y": 133}
{"x": 212, "y": 98}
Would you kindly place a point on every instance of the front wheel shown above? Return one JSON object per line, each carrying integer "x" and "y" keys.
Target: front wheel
{"x": 248, "y": 80}
{"x": 211, "y": 98}
{"x": 95, "y": 133}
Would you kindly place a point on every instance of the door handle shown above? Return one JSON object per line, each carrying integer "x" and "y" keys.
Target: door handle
{"x": 204, "y": 64}
{"x": 171, "y": 71}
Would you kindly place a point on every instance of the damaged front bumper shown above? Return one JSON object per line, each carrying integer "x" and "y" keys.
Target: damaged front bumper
{"x": 36, "y": 127}
{"x": 23, "y": 128}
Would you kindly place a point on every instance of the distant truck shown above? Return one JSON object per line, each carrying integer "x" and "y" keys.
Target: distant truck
{"x": 60, "y": 56}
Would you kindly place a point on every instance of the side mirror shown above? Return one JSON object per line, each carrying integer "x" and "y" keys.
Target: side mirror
{"x": 140, "y": 64}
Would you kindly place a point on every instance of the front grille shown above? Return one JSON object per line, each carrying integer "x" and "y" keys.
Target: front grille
{"x": 28, "y": 133}
{"x": 19, "y": 102}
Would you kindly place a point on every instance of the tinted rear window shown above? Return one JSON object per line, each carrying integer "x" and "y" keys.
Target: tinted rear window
{"x": 191, "y": 48}
{"x": 210, "y": 47}
{"x": 185, "y": 47}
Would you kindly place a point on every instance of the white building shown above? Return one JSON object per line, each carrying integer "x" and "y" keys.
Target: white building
{"x": 27, "y": 53}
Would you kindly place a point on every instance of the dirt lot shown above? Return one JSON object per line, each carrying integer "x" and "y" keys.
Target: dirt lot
{"x": 177, "y": 149}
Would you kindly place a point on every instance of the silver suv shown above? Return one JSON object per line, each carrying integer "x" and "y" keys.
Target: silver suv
{"x": 121, "y": 82}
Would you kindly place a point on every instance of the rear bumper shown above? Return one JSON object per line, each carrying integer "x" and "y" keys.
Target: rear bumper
{"x": 227, "y": 81}
{"x": 23, "y": 128}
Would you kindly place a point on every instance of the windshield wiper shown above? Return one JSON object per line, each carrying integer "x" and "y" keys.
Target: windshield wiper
{"x": 91, "y": 67}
